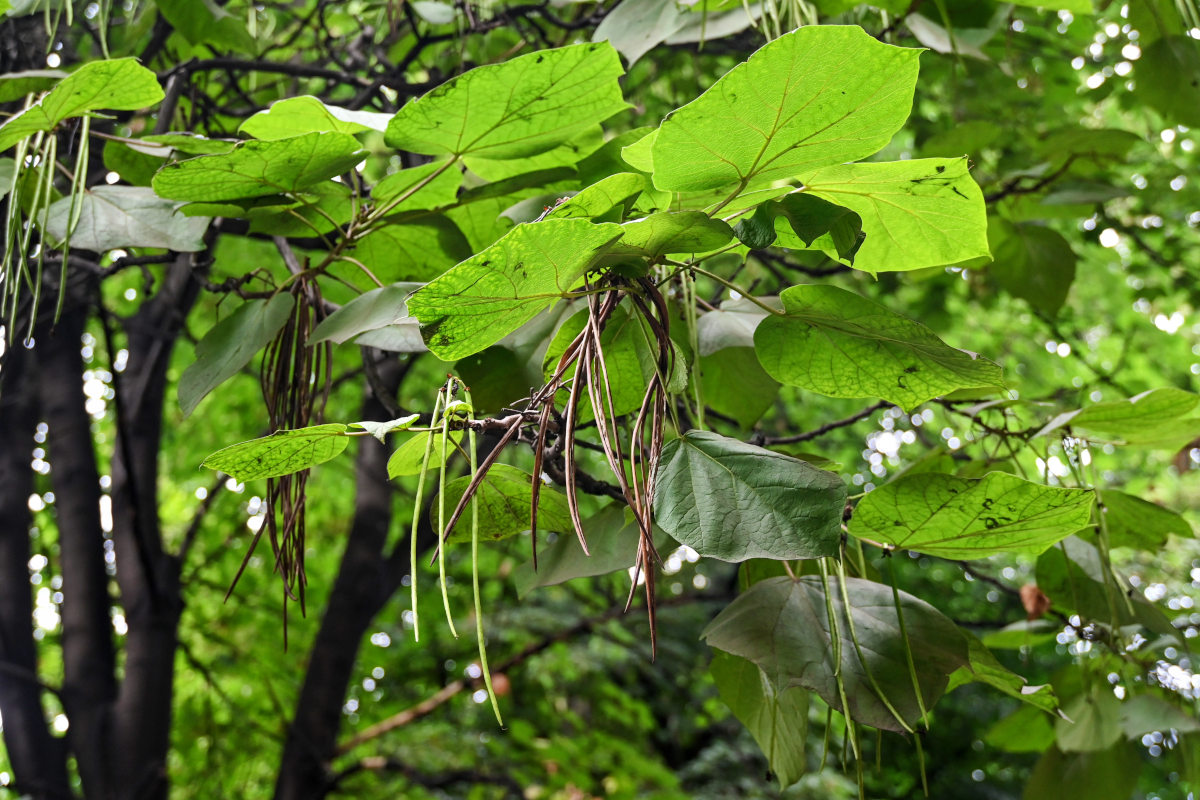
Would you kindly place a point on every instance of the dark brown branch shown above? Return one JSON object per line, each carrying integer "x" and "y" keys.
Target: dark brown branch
{"x": 766, "y": 441}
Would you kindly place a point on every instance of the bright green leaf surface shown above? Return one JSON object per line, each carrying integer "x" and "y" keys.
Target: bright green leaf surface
{"x": 1158, "y": 418}
{"x": 419, "y": 250}
{"x": 921, "y": 213}
{"x": 614, "y": 193}
{"x": 260, "y": 168}
{"x": 296, "y": 116}
{"x": 126, "y": 216}
{"x": 121, "y": 84}
{"x": 16, "y": 85}
{"x": 521, "y": 107}
{"x": 408, "y": 458}
{"x": 782, "y": 625}
{"x": 205, "y": 22}
{"x": 817, "y": 96}
{"x": 840, "y": 344}
{"x": 730, "y": 500}
{"x": 230, "y": 344}
{"x": 493, "y": 293}
{"x": 942, "y": 515}
{"x": 673, "y": 232}
{"x": 984, "y": 667}
{"x": 426, "y": 186}
{"x": 503, "y": 500}
{"x": 778, "y": 720}
{"x": 281, "y": 453}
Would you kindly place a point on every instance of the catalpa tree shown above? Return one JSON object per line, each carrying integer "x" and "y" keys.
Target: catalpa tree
{"x": 612, "y": 320}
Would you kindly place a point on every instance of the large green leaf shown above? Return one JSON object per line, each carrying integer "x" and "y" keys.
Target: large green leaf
{"x": 820, "y": 95}
{"x": 521, "y": 107}
{"x": 942, "y": 515}
{"x": 1134, "y": 522}
{"x": 783, "y": 626}
{"x": 230, "y": 344}
{"x": 1163, "y": 417}
{"x": 295, "y": 116}
{"x": 126, "y": 216}
{"x": 840, "y": 344}
{"x": 16, "y": 85}
{"x": 1032, "y": 262}
{"x": 1166, "y": 78}
{"x": 427, "y": 186}
{"x": 919, "y": 213}
{"x": 730, "y": 500}
{"x": 491, "y": 294}
{"x": 281, "y": 453}
{"x": 259, "y": 168}
{"x": 607, "y": 200}
{"x": 1092, "y": 722}
{"x": 121, "y": 84}
{"x": 778, "y": 720}
{"x": 503, "y": 499}
{"x": 673, "y": 232}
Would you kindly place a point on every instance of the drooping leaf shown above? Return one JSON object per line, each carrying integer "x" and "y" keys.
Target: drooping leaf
{"x": 503, "y": 499}
{"x": 608, "y": 200}
{"x": 920, "y": 213}
{"x": 374, "y": 309}
{"x": 942, "y": 515}
{"x": 1032, "y": 262}
{"x": 1163, "y": 417}
{"x": 1093, "y": 722}
{"x": 493, "y": 293}
{"x": 823, "y": 94}
{"x": 230, "y": 344}
{"x": 126, "y": 216}
{"x": 778, "y": 720}
{"x": 1134, "y": 522}
{"x": 121, "y": 84}
{"x": 986, "y": 668}
{"x": 526, "y": 105}
{"x": 818, "y": 222}
{"x": 782, "y": 625}
{"x": 295, "y": 116}
{"x": 732, "y": 501}
{"x": 408, "y": 458}
{"x": 259, "y": 168}
{"x": 1074, "y": 576}
{"x": 840, "y": 344}
{"x": 281, "y": 453}
{"x": 635, "y": 27}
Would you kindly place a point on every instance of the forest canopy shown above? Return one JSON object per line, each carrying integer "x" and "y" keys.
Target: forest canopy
{"x": 648, "y": 398}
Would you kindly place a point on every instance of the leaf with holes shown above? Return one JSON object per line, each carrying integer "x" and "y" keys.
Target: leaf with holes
{"x": 942, "y": 515}
{"x": 493, "y": 293}
{"x": 260, "y": 168}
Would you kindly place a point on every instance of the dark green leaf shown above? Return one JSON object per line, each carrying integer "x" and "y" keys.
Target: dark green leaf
{"x": 205, "y": 22}
{"x": 782, "y": 625}
{"x": 1157, "y": 418}
{"x": 730, "y": 500}
{"x": 1133, "y": 522}
{"x": 230, "y": 344}
{"x": 778, "y": 720}
{"x": 408, "y": 458}
{"x": 1166, "y": 78}
{"x": 1103, "y": 775}
{"x": 1032, "y": 262}
{"x": 503, "y": 499}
